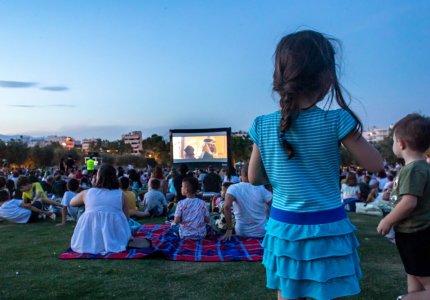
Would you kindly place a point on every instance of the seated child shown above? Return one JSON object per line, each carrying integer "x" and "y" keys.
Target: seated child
{"x": 16, "y": 211}
{"x": 72, "y": 188}
{"x": 32, "y": 194}
{"x": 154, "y": 201}
{"x": 350, "y": 192}
{"x": 191, "y": 213}
{"x": 133, "y": 211}
{"x": 218, "y": 209}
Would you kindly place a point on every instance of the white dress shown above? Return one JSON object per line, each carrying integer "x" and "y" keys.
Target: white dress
{"x": 103, "y": 227}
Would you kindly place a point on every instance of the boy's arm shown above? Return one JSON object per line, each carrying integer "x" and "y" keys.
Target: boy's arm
{"x": 35, "y": 209}
{"x": 402, "y": 210}
{"x": 227, "y": 215}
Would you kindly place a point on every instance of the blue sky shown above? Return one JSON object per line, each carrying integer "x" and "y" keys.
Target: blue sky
{"x": 103, "y": 68}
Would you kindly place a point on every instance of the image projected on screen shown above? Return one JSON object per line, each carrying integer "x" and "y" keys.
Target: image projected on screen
{"x": 194, "y": 147}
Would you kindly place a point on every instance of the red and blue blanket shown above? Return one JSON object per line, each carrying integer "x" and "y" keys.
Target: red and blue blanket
{"x": 210, "y": 249}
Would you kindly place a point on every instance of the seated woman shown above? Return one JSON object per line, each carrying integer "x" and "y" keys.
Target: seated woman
{"x": 103, "y": 227}
{"x": 192, "y": 213}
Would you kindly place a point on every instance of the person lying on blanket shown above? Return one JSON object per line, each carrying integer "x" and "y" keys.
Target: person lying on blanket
{"x": 192, "y": 213}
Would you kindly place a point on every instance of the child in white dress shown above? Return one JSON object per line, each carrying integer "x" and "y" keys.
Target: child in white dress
{"x": 103, "y": 227}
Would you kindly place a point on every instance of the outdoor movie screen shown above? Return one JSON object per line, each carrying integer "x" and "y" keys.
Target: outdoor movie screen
{"x": 189, "y": 147}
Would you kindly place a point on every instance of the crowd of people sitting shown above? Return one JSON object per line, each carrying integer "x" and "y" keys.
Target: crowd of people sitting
{"x": 358, "y": 185}
{"x": 193, "y": 202}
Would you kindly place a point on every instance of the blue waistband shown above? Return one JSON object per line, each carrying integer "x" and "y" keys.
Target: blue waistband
{"x": 308, "y": 218}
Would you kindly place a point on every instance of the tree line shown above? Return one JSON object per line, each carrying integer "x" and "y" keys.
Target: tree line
{"x": 155, "y": 150}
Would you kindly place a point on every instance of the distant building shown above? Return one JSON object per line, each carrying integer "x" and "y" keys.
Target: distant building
{"x": 86, "y": 143}
{"x": 38, "y": 141}
{"x": 240, "y": 133}
{"x": 65, "y": 141}
{"x": 134, "y": 139}
{"x": 376, "y": 134}
{"x": 68, "y": 143}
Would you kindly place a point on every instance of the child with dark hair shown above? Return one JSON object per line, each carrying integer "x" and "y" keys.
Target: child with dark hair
{"x": 154, "y": 201}
{"x": 218, "y": 209}
{"x": 133, "y": 211}
{"x": 72, "y": 191}
{"x": 306, "y": 212}
{"x": 32, "y": 193}
{"x": 350, "y": 191}
{"x": 136, "y": 184}
{"x": 191, "y": 213}
{"x": 410, "y": 217}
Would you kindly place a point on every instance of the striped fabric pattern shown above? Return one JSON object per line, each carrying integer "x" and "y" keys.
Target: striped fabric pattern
{"x": 310, "y": 180}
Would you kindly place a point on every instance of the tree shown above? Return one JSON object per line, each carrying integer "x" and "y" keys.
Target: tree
{"x": 16, "y": 152}
{"x": 129, "y": 159}
{"x": 385, "y": 147}
{"x": 241, "y": 148}
{"x": 156, "y": 147}
{"x": 42, "y": 156}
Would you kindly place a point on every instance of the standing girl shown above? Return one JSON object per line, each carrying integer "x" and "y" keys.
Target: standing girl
{"x": 310, "y": 249}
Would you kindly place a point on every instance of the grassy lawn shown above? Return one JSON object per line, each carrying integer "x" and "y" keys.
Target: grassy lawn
{"x": 30, "y": 269}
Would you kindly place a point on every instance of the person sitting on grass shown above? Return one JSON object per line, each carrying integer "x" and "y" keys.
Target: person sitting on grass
{"x": 72, "y": 189}
{"x": 32, "y": 194}
{"x": 218, "y": 209}
{"x": 350, "y": 192}
{"x": 154, "y": 201}
{"x": 133, "y": 211}
{"x": 104, "y": 226}
{"x": 250, "y": 205}
{"x": 191, "y": 213}
{"x": 16, "y": 211}
{"x": 33, "y": 189}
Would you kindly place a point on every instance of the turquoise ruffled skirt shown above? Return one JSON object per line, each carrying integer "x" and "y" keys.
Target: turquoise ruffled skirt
{"x": 317, "y": 261}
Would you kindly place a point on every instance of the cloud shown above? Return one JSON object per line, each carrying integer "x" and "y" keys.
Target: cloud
{"x": 41, "y": 106}
{"x": 55, "y": 88}
{"x": 16, "y": 84}
{"x": 23, "y": 105}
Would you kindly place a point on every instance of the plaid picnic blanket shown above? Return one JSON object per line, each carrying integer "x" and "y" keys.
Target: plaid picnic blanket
{"x": 210, "y": 249}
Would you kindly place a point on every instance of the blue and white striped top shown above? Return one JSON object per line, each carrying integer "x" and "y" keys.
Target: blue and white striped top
{"x": 310, "y": 180}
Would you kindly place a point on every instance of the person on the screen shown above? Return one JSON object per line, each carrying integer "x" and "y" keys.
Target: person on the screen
{"x": 189, "y": 152}
{"x": 209, "y": 149}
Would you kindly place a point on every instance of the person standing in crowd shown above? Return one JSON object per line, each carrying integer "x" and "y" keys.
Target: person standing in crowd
{"x": 410, "y": 216}
{"x": 90, "y": 166}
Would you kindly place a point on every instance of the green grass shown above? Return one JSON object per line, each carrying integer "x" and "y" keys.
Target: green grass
{"x": 30, "y": 269}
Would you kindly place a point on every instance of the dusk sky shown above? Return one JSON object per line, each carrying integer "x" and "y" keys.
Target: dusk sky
{"x": 103, "y": 68}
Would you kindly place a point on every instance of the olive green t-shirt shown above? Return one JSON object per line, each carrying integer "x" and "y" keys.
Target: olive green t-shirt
{"x": 414, "y": 179}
